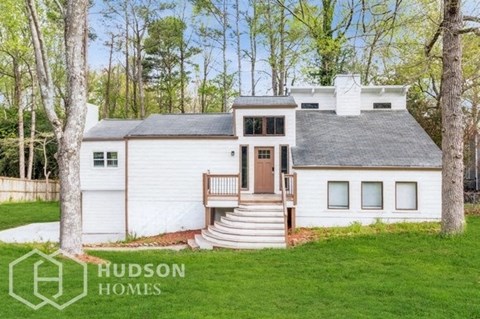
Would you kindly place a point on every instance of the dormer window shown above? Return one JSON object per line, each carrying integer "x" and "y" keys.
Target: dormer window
{"x": 309, "y": 106}
{"x": 266, "y": 125}
{"x": 381, "y": 106}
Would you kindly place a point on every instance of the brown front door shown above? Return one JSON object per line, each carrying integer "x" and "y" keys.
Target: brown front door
{"x": 264, "y": 170}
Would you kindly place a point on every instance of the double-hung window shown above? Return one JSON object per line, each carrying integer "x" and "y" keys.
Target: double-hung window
{"x": 105, "y": 159}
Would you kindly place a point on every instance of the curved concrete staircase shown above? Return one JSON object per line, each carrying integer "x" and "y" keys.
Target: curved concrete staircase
{"x": 247, "y": 227}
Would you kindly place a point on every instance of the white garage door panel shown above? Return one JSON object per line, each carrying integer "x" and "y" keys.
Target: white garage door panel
{"x": 103, "y": 212}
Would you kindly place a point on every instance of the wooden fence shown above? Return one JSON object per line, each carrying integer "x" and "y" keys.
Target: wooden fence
{"x": 16, "y": 189}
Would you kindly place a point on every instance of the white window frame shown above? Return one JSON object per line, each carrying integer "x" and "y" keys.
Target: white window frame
{"x": 416, "y": 196}
{"x": 381, "y": 195}
{"x": 348, "y": 196}
{"x": 105, "y": 160}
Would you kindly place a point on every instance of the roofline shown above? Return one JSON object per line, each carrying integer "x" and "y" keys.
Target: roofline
{"x": 406, "y": 168}
{"x": 181, "y": 137}
{"x": 102, "y": 139}
{"x": 265, "y": 106}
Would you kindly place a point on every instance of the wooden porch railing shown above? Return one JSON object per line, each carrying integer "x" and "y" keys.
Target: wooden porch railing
{"x": 285, "y": 209}
{"x": 220, "y": 185}
{"x": 290, "y": 187}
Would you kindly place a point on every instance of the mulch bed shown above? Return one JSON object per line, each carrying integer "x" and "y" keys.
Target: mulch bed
{"x": 301, "y": 236}
{"x": 168, "y": 239}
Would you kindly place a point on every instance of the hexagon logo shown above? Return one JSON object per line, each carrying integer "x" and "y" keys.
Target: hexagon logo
{"x": 37, "y": 279}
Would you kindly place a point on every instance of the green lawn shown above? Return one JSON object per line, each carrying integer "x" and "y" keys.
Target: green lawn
{"x": 17, "y": 214}
{"x": 414, "y": 274}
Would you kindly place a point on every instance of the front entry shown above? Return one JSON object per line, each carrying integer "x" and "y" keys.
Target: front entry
{"x": 264, "y": 170}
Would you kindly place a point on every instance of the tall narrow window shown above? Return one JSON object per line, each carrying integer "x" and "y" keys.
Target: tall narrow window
{"x": 372, "y": 195}
{"x": 244, "y": 166}
{"x": 338, "y": 195}
{"x": 284, "y": 163}
{"x": 406, "y": 196}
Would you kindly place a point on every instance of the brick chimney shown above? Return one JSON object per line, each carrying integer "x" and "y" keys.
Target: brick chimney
{"x": 347, "y": 94}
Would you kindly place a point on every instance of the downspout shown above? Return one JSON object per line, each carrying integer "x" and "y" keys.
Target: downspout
{"x": 126, "y": 187}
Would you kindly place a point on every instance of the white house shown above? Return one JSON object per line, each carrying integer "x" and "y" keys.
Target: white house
{"x": 347, "y": 153}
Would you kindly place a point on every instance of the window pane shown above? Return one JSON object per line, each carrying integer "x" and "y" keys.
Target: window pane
{"x": 338, "y": 195}
{"x": 372, "y": 197}
{"x": 406, "y": 195}
{"x": 284, "y": 159}
{"x": 112, "y": 159}
{"x": 248, "y": 126}
{"x": 98, "y": 159}
{"x": 244, "y": 167}
{"x": 98, "y": 155}
{"x": 112, "y": 155}
{"x": 270, "y": 125}
{"x": 279, "y": 126}
{"x": 257, "y": 126}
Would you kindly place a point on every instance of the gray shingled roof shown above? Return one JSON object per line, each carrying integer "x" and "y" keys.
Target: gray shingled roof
{"x": 185, "y": 125}
{"x": 263, "y": 101}
{"x": 375, "y": 138}
{"x": 111, "y": 129}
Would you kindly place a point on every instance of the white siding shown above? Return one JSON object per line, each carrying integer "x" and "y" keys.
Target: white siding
{"x": 103, "y": 216}
{"x": 398, "y": 100}
{"x": 165, "y": 181}
{"x": 312, "y": 208}
{"x": 326, "y": 99}
{"x": 102, "y": 178}
{"x": 266, "y": 141}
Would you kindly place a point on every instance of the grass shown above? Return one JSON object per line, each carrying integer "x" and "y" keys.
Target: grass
{"x": 387, "y": 272}
{"x": 17, "y": 214}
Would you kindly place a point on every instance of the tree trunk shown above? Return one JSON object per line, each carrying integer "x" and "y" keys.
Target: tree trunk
{"x": 127, "y": 64}
{"x": 21, "y": 130}
{"x": 224, "y": 49}
{"x": 31, "y": 144}
{"x": 69, "y": 132}
{"x": 239, "y": 47}
{"x": 453, "y": 219}
{"x": 106, "y": 107}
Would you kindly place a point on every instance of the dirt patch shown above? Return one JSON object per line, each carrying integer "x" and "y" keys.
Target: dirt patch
{"x": 301, "y": 236}
{"x": 91, "y": 259}
{"x": 168, "y": 239}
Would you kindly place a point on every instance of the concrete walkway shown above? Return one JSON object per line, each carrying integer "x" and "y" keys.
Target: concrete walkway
{"x": 38, "y": 232}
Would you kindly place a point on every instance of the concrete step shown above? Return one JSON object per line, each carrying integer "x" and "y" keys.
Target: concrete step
{"x": 255, "y": 213}
{"x": 192, "y": 244}
{"x": 226, "y": 243}
{"x": 255, "y": 219}
{"x": 251, "y": 224}
{"x": 260, "y": 208}
{"x": 241, "y": 230}
{"x": 255, "y": 238}
{"x": 203, "y": 243}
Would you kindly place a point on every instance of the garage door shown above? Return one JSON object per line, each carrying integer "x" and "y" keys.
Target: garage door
{"x": 103, "y": 212}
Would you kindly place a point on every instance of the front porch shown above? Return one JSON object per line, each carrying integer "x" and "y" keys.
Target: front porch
{"x": 255, "y": 220}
